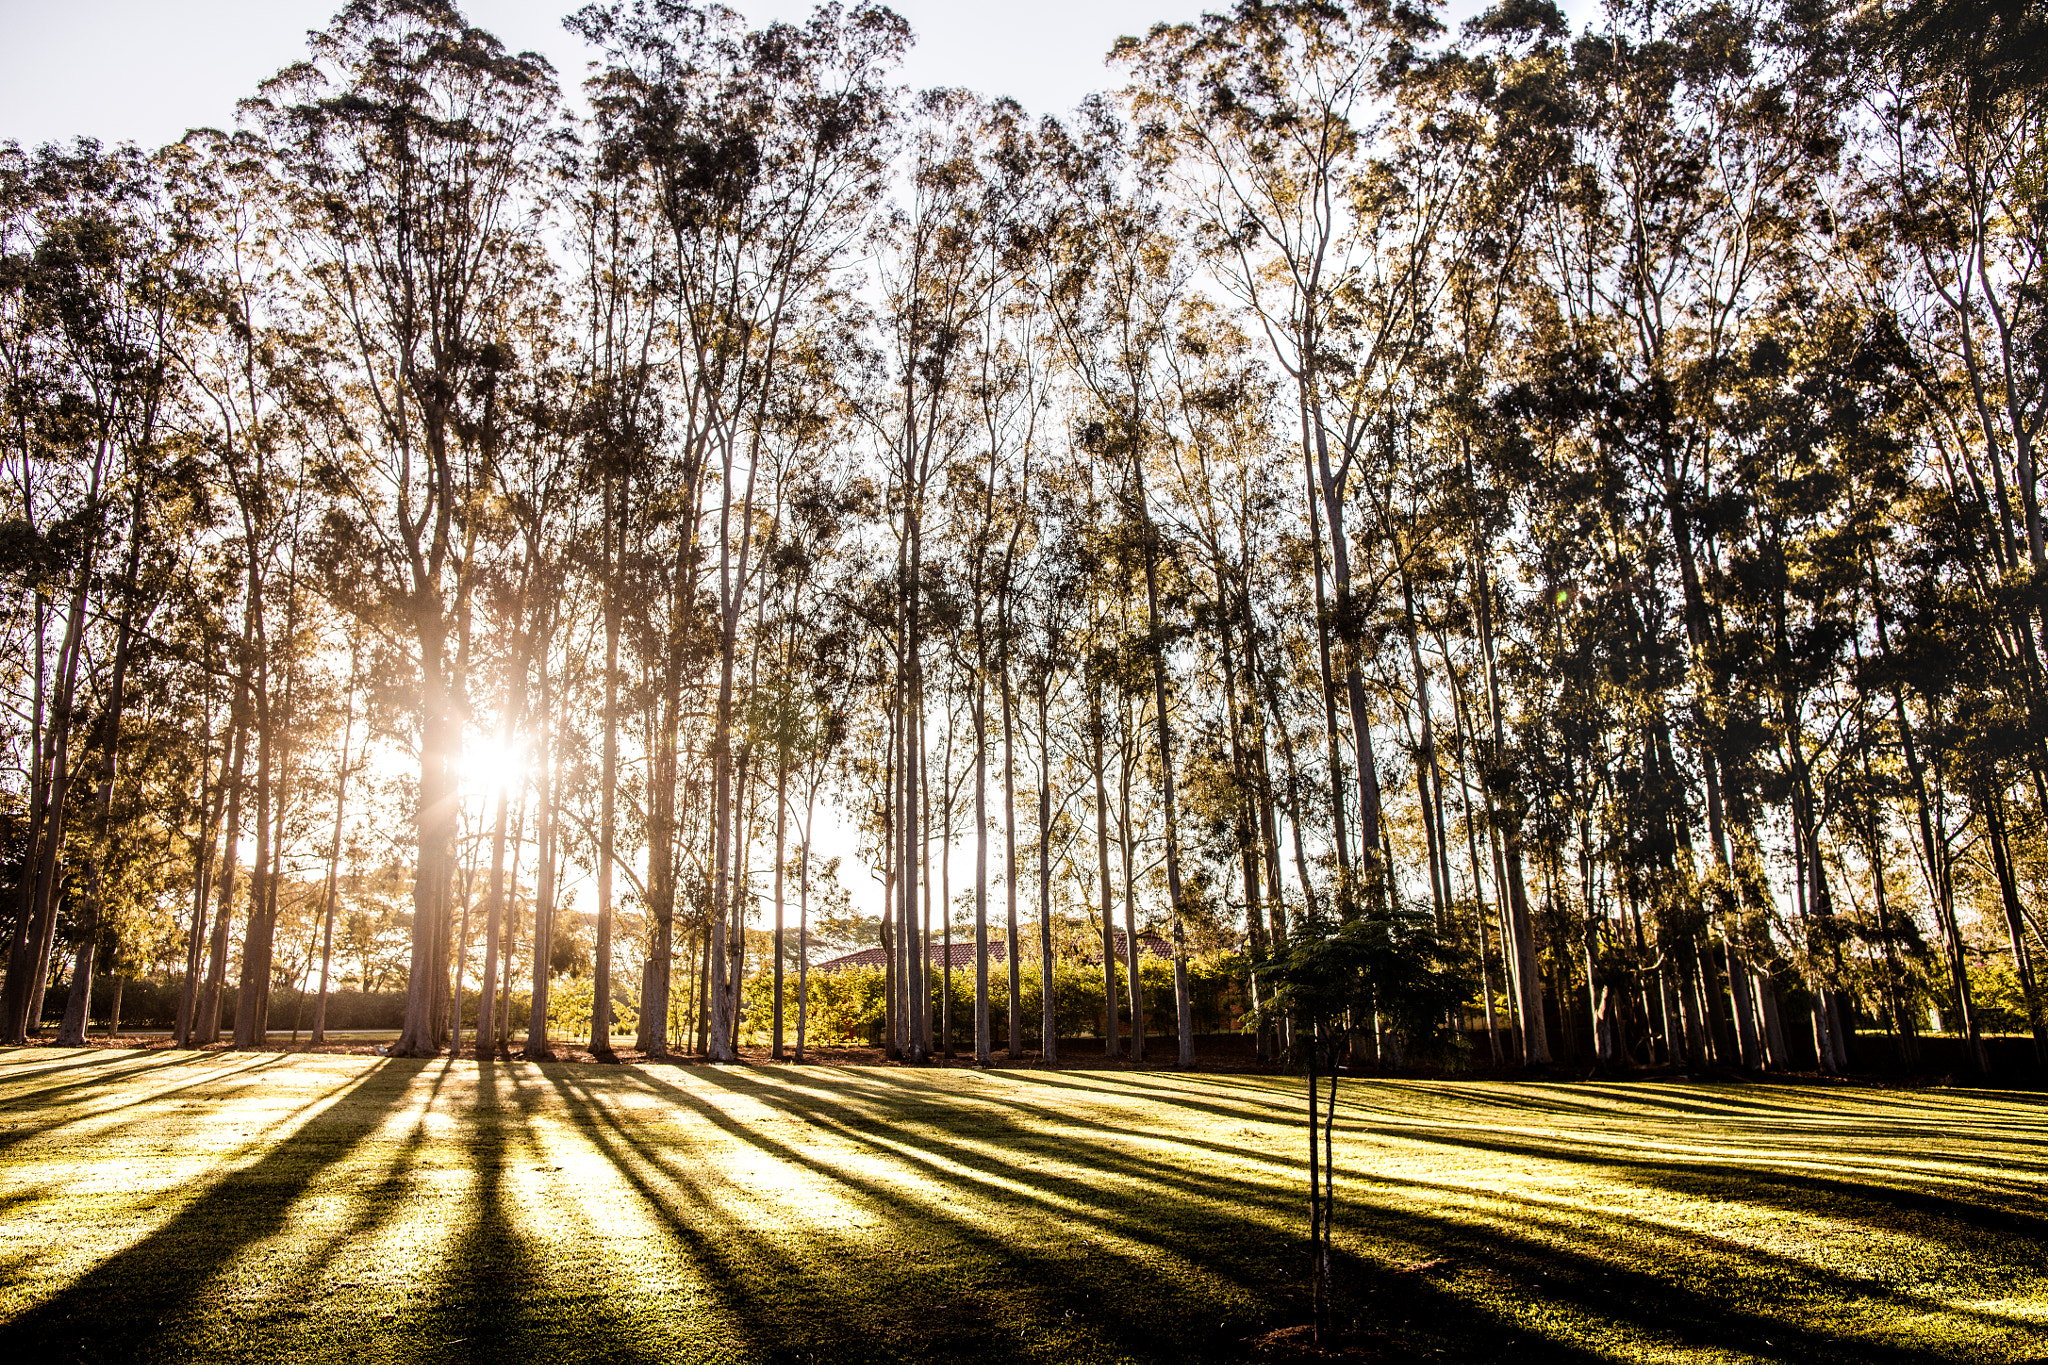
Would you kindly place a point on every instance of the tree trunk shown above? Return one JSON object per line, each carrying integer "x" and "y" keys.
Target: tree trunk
{"x": 892, "y": 857}
{"x": 544, "y": 882}
{"x": 253, "y": 985}
{"x": 217, "y": 950}
{"x": 1127, "y": 848}
{"x": 1350, "y": 636}
{"x": 601, "y": 969}
{"x": 946, "y": 896}
{"x": 736, "y": 912}
{"x": 1015, "y": 1041}
{"x": 1246, "y": 812}
{"x": 916, "y": 1015}
{"x": 494, "y": 913}
{"x": 1428, "y": 781}
{"x": 1096, "y": 727}
{"x": 982, "y": 1041}
{"x": 1519, "y": 945}
{"x": 209, "y": 808}
{"x": 2015, "y": 926}
{"x": 781, "y": 830}
{"x": 1339, "y": 833}
{"x": 334, "y": 846}
{"x": 1479, "y": 909}
{"x": 803, "y": 928}
{"x": 35, "y": 928}
{"x": 435, "y": 823}
{"x": 1048, "y": 1025}
{"x": 1183, "y": 1000}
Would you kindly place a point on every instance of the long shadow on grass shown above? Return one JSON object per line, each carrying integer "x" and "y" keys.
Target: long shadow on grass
{"x": 1814, "y": 1109}
{"x": 1024, "y": 1126}
{"x": 1808, "y": 1110}
{"x": 1871, "y": 1194}
{"x": 920, "y": 1282}
{"x": 742, "y": 1276}
{"x": 29, "y": 1063}
{"x": 1778, "y": 1310}
{"x": 144, "y": 1303}
{"x": 18, "y": 1091}
{"x": 375, "y": 1203}
{"x": 1866, "y": 1200}
{"x": 1745, "y": 1284}
{"x": 1733, "y": 1298}
{"x": 1705, "y": 1293}
{"x": 131, "y": 1107}
{"x": 1203, "y": 1280}
{"x": 991, "y": 1159}
{"x": 493, "y": 1301}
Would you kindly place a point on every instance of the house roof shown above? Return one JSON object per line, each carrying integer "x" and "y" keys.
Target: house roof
{"x": 1151, "y": 945}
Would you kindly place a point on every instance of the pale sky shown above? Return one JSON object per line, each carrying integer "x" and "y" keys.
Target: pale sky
{"x": 146, "y": 70}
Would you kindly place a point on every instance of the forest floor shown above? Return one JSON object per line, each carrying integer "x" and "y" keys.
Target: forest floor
{"x": 164, "y": 1206}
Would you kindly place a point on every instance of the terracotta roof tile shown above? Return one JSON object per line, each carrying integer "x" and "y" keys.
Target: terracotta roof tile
{"x": 1151, "y": 945}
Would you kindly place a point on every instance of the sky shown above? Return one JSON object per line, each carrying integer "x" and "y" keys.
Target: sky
{"x": 146, "y": 70}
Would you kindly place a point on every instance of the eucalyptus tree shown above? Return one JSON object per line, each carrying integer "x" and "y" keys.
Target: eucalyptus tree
{"x": 236, "y": 363}
{"x": 1114, "y": 314}
{"x": 344, "y": 769}
{"x": 1960, "y": 105}
{"x": 1268, "y": 115}
{"x": 619, "y": 422}
{"x": 1043, "y": 648}
{"x": 1941, "y": 237}
{"x": 804, "y": 699}
{"x": 1008, "y": 399}
{"x": 90, "y": 313}
{"x": 1502, "y": 90}
{"x": 1225, "y": 496}
{"x": 260, "y": 423}
{"x": 546, "y": 425}
{"x": 410, "y": 146}
{"x": 765, "y": 151}
{"x": 1715, "y": 129}
{"x": 934, "y": 279}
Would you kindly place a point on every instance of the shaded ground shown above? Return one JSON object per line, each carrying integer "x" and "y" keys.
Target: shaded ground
{"x": 172, "y": 1206}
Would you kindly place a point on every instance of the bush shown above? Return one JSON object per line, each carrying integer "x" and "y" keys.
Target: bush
{"x": 569, "y": 1004}
{"x": 147, "y": 1004}
{"x": 848, "y": 1009}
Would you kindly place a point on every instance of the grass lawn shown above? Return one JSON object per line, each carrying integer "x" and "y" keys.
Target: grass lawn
{"x": 164, "y": 1206}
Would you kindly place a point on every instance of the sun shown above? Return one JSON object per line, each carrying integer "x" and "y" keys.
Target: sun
{"x": 488, "y": 764}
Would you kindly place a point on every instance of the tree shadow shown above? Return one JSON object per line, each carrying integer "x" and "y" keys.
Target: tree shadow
{"x": 863, "y": 1216}
{"x": 147, "y": 1301}
{"x": 1617, "y": 1303}
{"x": 1719, "y": 1297}
{"x": 910, "y": 1277}
{"x": 492, "y": 1301}
{"x": 1791, "y": 1190}
{"x": 130, "y": 1105}
{"x": 17, "y": 1092}
{"x": 1101, "y": 1266}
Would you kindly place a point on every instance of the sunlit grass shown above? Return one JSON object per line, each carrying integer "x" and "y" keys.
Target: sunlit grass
{"x": 166, "y": 1207}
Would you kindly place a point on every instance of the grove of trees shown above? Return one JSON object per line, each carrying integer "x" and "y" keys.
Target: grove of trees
{"x": 1557, "y": 511}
